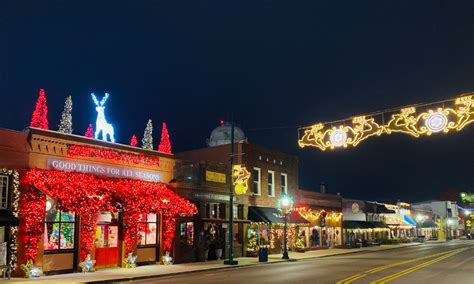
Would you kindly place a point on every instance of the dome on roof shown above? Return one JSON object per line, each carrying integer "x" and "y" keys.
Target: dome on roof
{"x": 221, "y": 135}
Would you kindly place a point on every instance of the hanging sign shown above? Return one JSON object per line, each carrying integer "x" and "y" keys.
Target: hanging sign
{"x": 240, "y": 179}
{"x": 215, "y": 177}
{"x": 102, "y": 170}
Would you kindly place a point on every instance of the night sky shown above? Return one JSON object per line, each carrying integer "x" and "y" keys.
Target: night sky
{"x": 271, "y": 64}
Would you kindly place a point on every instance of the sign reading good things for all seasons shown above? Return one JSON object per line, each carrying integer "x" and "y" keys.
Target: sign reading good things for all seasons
{"x": 102, "y": 170}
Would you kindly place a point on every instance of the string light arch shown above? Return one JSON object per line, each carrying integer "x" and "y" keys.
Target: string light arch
{"x": 450, "y": 115}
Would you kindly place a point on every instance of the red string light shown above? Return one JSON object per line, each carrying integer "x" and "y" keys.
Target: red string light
{"x": 87, "y": 195}
{"x": 40, "y": 114}
{"x": 165, "y": 144}
{"x": 90, "y": 131}
{"x": 108, "y": 154}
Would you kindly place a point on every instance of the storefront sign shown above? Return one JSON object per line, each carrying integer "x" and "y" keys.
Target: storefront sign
{"x": 102, "y": 170}
{"x": 215, "y": 177}
{"x": 211, "y": 196}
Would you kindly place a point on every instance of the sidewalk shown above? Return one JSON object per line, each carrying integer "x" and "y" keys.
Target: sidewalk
{"x": 148, "y": 271}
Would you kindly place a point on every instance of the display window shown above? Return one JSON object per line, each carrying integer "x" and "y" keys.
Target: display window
{"x": 186, "y": 233}
{"x": 59, "y": 229}
{"x": 147, "y": 229}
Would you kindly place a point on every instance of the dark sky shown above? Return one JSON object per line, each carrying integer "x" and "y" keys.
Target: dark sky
{"x": 270, "y": 63}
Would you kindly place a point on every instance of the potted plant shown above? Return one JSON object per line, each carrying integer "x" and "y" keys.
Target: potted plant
{"x": 218, "y": 246}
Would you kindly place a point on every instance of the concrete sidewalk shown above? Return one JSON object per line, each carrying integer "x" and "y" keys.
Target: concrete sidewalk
{"x": 148, "y": 271}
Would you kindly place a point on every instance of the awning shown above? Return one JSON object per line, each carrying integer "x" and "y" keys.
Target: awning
{"x": 378, "y": 208}
{"x": 429, "y": 224}
{"x": 273, "y": 215}
{"x": 409, "y": 220}
{"x": 363, "y": 225}
{"x": 7, "y": 218}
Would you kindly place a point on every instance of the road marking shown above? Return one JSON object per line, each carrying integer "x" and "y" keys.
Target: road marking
{"x": 380, "y": 268}
{"x": 415, "y": 268}
{"x": 350, "y": 279}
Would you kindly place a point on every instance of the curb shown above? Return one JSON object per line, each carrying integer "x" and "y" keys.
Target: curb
{"x": 238, "y": 266}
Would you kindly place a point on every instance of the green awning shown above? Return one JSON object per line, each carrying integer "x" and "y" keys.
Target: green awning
{"x": 363, "y": 225}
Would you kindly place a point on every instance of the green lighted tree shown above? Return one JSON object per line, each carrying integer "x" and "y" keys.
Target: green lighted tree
{"x": 252, "y": 246}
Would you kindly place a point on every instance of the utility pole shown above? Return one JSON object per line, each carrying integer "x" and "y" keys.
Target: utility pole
{"x": 231, "y": 260}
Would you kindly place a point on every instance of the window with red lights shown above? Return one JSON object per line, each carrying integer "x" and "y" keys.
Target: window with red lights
{"x": 148, "y": 230}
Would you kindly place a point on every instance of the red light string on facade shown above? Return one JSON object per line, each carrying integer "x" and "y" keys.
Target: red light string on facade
{"x": 87, "y": 195}
{"x": 108, "y": 154}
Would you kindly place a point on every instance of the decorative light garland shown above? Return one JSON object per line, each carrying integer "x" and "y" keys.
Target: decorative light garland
{"x": 87, "y": 194}
{"x": 108, "y": 154}
{"x": 351, "y": 132}
{"x": 240, "y": 179}
{"x": 14, "y": 208}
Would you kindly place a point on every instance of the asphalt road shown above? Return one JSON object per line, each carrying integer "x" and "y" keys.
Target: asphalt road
{"x": 451, "y": 262}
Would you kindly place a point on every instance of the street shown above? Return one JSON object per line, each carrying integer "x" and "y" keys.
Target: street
{"x": 429, "y": 263}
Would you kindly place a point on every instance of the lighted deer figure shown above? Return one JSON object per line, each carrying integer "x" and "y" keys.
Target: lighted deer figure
{"x": 101, "y": 124}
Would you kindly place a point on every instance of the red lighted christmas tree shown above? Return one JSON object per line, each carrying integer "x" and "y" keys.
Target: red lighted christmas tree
{"x": 134, "y": 141}
{"x": 165, "y": 144}
{"x": 90, "y": 131}
{"x": 40, "y": 115}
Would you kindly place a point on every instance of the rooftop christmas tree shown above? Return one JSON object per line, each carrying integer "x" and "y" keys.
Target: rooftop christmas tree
{"x": 65, "y": 125}
{"x": 40, "y": 114}
{"x": 134, "y": 141}
{"x": 147, "y": 141}
{"x": 90, "y": 131}
{"x": 165, "y": 144}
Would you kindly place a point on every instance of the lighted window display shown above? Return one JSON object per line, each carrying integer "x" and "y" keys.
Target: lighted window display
{"x": 58, "y": 229}
{"x": 186, "y": 234}
{"x": 147, "y": 229}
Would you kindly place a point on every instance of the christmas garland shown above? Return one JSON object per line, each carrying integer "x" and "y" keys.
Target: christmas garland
{"x": 14, "y": 208}
{"x": 108, "y": 154}
{"x": 87, "y": 195}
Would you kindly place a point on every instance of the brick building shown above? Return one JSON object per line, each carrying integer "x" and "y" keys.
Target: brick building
{"x": 271, "y": 174}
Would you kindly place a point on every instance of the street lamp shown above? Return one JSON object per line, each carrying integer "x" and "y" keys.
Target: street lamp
{"x": 285, "y": 205}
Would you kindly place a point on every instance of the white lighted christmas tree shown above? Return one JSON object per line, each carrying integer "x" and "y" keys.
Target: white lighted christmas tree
{"x": 147, "y": 141}
{"x": 65, "y": 125}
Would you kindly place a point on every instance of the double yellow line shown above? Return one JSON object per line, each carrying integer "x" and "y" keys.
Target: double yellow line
{"x": 414, "y": 268}
{"x": 441, "y": 255}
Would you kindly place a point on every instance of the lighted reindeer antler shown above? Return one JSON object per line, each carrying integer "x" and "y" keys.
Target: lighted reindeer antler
{"x": 95, "y": 99}
{"x": 104, "y": 99}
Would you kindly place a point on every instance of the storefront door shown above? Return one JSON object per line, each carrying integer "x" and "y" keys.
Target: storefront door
{"x": 106, "y": 252}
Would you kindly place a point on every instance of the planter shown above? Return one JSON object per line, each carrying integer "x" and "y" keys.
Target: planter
{"x": 218, "y": 253}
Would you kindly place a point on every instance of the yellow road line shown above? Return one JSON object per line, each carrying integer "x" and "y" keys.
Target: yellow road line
{"x": 351, "y": 278}
{"x": 414, "y": 268}
{"x": 380, "y": 268}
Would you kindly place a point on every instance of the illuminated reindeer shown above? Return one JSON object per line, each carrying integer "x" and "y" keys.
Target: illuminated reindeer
{"x": 101, "y": 124}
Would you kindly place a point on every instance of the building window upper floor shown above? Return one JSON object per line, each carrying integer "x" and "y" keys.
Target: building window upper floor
{"x": 3, "y": 191}
{"x": 257, "y": 181}
{"x": 271, "y": 183}
{"x": 284, "y": 183}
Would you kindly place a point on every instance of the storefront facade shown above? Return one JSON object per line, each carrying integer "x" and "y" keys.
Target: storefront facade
{"x": 358, "y": 231}
{"x": 324, "y": 214}
{"x": 81, "y": 196}
{"x": 204, "y": 237}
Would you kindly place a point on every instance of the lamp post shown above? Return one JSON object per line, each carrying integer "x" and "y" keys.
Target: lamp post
{"x": 285, "y": 204}
{"x": 231, "y": 260}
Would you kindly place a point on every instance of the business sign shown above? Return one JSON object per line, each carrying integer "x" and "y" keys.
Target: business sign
{"x": 215, "y": 177}
{"x": 211, "y": 196}
{"x": 353, "y": 210}
{"x": 102, "y": 170}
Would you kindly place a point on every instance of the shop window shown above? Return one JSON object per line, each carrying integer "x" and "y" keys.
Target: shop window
{"x": 186, "y": 233}
{"x": 256, "y": 181}
{"x": 271, "y": 183}
{"x": 222, "y": 212}
{"x": 147, "y": 229}
{"x": 3, "y": 247}
{"x": 237, "y": 233}
{"x": 59, "y": 229}
{"x": 3, "y": 191}
{"x": 284, "y": 183}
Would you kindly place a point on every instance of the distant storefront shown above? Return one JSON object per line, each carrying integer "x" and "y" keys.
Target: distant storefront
{"x": 357, "y": 229}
